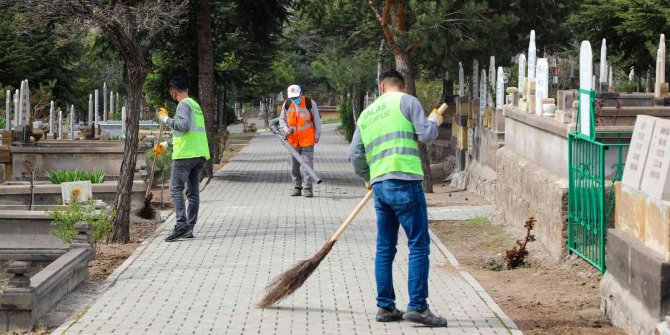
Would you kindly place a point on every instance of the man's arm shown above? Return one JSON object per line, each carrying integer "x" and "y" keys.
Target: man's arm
{"x": 317, "y": 120}
{"x": 182, "y": 118}
{"x": 356, "y": 155}
{"x": 426, "y": 131}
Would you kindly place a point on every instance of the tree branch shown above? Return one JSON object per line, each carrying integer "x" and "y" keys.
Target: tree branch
{"x": 383, "y": 21}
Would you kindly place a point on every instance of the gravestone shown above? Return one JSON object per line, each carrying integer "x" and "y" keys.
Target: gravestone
{"x": 461, "y": 80}
{"x": 475, "y": 79}
{"x": 522, "y": 73}
{"x": 82, "y": 188}
{"x": 492, "y": 80}
{"x": 603, "y": 66}
{"x": 531, "y": 60}
{"x": 8, "y": 109}
{"x": 17, "y": 107}
{"x": 500, "y": 89}
{"x": 638, "y": 151}
{"x": 90, "y": 109}
{"x": 585, "y": 83}
{"x": 51, "y": 119}
{"x": 471, "y": 141}
{"x": 660, "y": 68}
{"x": 541, "y": 84}
{"x": 96, "y": 108}
{"x": 72, "y": 117}
{"x": 60, "y": 124}
{"x": 656, "y": 174}
{"x": 482, "y": 99}
{"x": 104, "y": 101}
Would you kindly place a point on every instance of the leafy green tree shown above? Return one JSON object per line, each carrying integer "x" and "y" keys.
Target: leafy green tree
{"x": 631, "y": 28}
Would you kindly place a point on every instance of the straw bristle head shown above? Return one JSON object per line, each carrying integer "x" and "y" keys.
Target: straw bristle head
{"x": 292, "y": 279}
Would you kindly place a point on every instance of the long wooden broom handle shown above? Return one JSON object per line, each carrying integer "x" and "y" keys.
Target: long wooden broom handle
{"x": 351, "y": 217}
{"x": 153, "y": 164}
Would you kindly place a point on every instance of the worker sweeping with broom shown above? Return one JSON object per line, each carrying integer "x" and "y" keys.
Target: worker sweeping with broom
{"x": 384, "y": 151}
{"x": 189, "y": 153}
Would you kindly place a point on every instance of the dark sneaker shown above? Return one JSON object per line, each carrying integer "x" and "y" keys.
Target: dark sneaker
{"x": 189, "y": 233}
{"x": 308, "y": 193}
{"x": 385, "y": 315}
{"x": 296, "y": 192}
{"x": 426, "y": 317}
{"x": 175, "y": 235}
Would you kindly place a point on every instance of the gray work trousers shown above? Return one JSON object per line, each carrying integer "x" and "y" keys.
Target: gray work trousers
{"x": 298, "y": 173}
{"x": 186, "y": 172}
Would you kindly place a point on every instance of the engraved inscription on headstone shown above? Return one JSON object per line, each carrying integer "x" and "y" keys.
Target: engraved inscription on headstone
{"x": 541, "y": 84}
{"x": 471, "y": 141}
{"x": 656, "y": 175}
{"x": 638, "y": 151}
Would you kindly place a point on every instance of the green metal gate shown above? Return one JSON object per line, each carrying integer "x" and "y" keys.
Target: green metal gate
{"x": 591, "y": 155}
{"x": 591, "y": 192}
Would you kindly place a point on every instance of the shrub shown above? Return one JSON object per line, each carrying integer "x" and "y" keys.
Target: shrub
{"x": 3, "y": 123}
{"x": 163, "y": 163}
{"x": 66, "y": 176}
{"x": 347, "y": 117}
{"x": 99, "y": 220}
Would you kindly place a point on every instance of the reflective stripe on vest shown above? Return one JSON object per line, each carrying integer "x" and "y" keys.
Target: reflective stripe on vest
{"x": 192, "y": 143}
{"x": 389, "y": 138}
{"x": 299, "y": 118}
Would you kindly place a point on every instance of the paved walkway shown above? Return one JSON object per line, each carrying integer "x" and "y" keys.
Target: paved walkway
{"x": 249, "y": 231}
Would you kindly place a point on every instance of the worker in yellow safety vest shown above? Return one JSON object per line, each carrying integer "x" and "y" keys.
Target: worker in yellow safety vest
{"x": 385, "y": 152}
{"x": 189, "y": 153}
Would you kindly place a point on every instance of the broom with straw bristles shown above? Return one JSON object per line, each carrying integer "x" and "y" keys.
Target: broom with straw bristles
{"x": 292, "y": 279}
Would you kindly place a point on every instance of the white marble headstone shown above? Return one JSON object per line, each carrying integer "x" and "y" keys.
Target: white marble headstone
{"x": 522, "y": 73}
{"x": 104, "y": 102}
{"x": 461, "y": 80}
{"x": 585, "y": 83}
{"x": 51, "y": 117}
{"x": 541, "y": 84}
{"x": 72, "y": 117}
{"x": 603, "y": 62}
{"x": 96, "y": 109}
{"x": 656, "y": 175}
{"x": 500, "y": 88}
{"x": 90, "y": 109}
{"x": 8, "y": 109}
{"x": 492, "y": 80}
{"x": 475, "y": 79}
{"x": 483, "y": 88}
{"x": 638, "y": 151}
{"x": 17, "y": 107}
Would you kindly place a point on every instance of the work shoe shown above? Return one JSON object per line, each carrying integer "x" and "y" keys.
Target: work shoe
{"x": 426, "y": 317}
{"x": 308, "y": 193}
{"x": 175, "y": 235}
{"x": 385, "y": 315}
{"x": 296, "y": 192}
{"x": 189, "y": 233}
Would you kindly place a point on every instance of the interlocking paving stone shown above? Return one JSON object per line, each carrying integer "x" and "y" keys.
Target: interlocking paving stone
{"x": 250, "y": 230}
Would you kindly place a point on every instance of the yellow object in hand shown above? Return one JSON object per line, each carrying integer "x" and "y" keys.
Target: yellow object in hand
{"x": 162, "y": 111}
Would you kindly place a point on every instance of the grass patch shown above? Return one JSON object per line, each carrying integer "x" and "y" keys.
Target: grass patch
{"x": 332, "y": 121}
{"x": 480, "y": 221}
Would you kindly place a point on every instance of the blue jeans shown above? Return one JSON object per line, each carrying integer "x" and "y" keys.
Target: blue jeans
{"x": 400, "y": 202}
{"x": 186, "y": 172}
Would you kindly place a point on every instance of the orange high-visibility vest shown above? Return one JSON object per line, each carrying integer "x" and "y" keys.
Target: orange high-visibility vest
{"x": 300, "y": 119}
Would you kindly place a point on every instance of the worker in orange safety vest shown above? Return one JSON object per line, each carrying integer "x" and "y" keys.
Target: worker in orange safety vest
{"x": 301, "y": 123}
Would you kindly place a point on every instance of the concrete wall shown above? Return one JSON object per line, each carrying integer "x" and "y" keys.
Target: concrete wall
{"x": 50, "y": 194}
{"x": 525, "y": 188}
{"x": 71, "y": 155}
{"x": 541, "y": 140}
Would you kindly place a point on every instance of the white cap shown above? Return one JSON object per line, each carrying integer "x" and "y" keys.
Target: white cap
{"x": 293, "y": 91}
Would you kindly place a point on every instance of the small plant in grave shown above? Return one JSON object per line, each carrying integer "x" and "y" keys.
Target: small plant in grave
{"x": 99, "y": 220}
{"x": 3, "y": 123}
{"x": 65, "y": 176}
{"x": 516, "y": 256}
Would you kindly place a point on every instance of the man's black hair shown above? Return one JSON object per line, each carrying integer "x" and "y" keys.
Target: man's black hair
{"x": 391, "y": 73}
{"x": 179, "y": 83}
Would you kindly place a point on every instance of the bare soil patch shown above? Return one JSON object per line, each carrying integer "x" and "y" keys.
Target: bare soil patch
{"x": 111, "y": 256}
{"x": 542, "y": 298}
{"x": 446, "y": 195}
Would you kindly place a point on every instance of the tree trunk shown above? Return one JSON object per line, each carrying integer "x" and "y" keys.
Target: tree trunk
{"x": 206, "y": 76}
{"x": 403, "y": 65}
{"x": 120, "y": 224}
{"x": 356, "y": 105}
